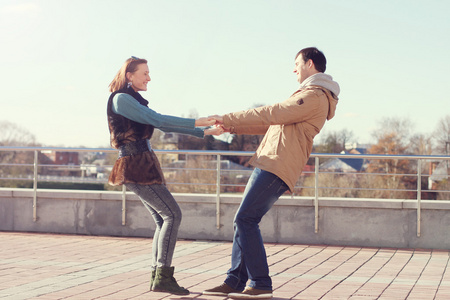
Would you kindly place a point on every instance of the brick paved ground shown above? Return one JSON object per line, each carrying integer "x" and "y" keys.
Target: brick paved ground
{"x": 47, "y": 266}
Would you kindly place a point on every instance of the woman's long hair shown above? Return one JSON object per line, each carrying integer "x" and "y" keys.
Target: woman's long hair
{"x": 120, "y": 80}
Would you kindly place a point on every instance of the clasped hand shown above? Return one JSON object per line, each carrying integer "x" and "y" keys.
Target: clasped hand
{"x": 216, "y": 121}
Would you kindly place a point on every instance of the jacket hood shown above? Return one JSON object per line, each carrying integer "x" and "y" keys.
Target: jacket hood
{"x": 323, "y": 80}
{"x": 331, "y": 87}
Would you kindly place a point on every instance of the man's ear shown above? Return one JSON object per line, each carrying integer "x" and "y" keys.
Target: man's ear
{"x": 310, "y": 64}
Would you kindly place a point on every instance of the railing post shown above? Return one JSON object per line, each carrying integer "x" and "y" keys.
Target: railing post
{"x": 124, "y": 205}
{"x": 316, "y": 194}
{"x": 35, "y": 179}
{"x": 419, "y": 194}
{"x": 218, "y": 192}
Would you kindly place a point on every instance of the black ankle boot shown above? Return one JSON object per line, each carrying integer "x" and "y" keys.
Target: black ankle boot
{"x": 152, "y": 278}
{"x": 164, "y": 282}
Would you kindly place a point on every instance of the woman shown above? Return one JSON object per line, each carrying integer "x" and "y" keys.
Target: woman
{"x": 131, "y": 124}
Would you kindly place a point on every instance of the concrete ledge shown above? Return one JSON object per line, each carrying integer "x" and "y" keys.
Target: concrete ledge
{"x": 362, "y": 203}
{"x": 5, "y": 193}
{"x": 342, "y": 221}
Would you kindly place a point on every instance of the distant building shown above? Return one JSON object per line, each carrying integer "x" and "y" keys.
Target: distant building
{"x": 439, "y": 172}
{"x": 346, "y": 165}
{"x": 59, "y": 163}
{"x": 62, "y": 158}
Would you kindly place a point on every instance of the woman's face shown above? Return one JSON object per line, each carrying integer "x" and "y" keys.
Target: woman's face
{"x": 139, "y": 78}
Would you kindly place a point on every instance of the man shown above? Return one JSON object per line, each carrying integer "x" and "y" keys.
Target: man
{"x": 289, "y": 129}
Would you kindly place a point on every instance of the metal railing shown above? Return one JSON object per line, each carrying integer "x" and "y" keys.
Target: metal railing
{"x": 418, "y": 175}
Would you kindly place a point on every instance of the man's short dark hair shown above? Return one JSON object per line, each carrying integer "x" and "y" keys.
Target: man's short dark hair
{"x": 318, "y": 58}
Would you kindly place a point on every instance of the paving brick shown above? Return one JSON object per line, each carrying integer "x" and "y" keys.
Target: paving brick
{"x": 48, "y": 266}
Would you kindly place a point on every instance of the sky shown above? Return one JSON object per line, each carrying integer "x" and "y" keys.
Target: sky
{"x": 57, "y": 58}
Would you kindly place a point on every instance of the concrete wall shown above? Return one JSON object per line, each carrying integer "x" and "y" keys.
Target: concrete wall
{"x": 355, "y": 222}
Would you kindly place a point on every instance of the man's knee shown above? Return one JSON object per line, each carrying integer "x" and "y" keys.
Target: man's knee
{"x": 242, "y": 219}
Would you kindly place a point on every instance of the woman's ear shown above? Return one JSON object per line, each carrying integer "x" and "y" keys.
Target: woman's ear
{"x": 129, "y": 76}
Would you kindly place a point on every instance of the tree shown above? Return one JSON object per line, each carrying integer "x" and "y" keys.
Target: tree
{"x": 442, "y": 136}
{"x": 14, "y": 135}
{"x": 392, "y": 138}
{"x": 421, "y": 144}
{"x": 334, "y": 142}
{"x": 397, "y": 132}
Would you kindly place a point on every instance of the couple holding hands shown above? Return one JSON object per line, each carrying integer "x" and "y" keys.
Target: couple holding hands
{"x": 289, "y": 128}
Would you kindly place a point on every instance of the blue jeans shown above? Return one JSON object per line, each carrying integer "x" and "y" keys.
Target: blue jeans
{"x": 248, "y": 256}
{"x": 167, "y": 215}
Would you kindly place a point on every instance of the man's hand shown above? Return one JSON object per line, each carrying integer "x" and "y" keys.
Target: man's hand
{"x": 200, "y": 122}
{"x": 219, "y": 119}
{"x": 219, "y": 123}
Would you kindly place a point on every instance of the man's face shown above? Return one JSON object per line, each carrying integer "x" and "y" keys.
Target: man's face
{"x": 301, "y": 69}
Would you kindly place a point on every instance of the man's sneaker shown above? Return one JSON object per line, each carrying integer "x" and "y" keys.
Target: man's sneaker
{"x": 221, "y": 290}
{"x": 251, "y": 293}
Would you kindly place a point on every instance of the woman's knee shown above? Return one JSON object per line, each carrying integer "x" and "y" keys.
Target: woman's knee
{"x": 159, "y": 222}
{"x": 174, "y": 215}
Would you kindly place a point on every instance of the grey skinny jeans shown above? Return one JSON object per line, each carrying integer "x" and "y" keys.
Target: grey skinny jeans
{"x": 167, "y": 215}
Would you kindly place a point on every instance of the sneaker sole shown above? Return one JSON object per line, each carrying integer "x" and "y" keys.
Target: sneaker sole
{"x": 247, "y": 296}
{"x": 214, "y": 294}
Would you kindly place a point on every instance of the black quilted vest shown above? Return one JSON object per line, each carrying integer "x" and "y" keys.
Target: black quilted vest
{"x": 123, "y": 130}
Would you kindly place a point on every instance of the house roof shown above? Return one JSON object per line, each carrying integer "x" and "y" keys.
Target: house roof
{"x": 346, "y": 164}
{"x": 337, "y": 164}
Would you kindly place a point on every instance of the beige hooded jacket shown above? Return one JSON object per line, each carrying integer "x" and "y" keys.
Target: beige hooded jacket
{"x": 289, "y": 127}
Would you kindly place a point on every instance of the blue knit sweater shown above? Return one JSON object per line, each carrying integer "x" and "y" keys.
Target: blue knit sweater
{"x": 125, "y": 105}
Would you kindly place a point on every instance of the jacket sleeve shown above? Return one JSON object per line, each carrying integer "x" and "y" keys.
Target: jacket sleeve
{"x": 299, "y": 107}
{"x": 127, "y": 106}
{"x": 250, "y": 129}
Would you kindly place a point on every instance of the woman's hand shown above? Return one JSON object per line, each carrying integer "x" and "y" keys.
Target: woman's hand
{"x": 215, "y": 130}
{"x": 200, "y": 122}
{"x": 219, "y": 119}
{"x": 225, "y": 129}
